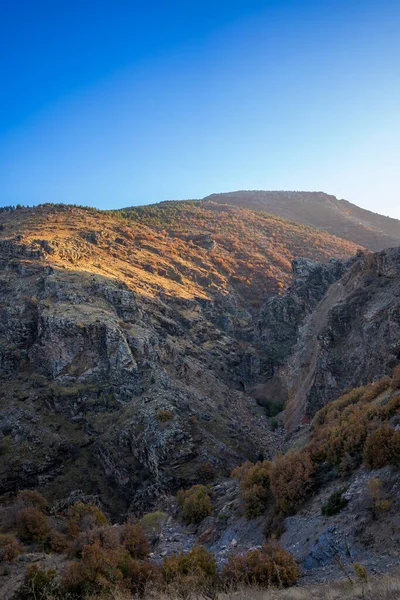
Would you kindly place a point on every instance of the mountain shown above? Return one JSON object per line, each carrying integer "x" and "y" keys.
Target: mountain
{"x": 323, "y": 211}
{"x": 127, "y": 343}
{"x": 164, "y": 347}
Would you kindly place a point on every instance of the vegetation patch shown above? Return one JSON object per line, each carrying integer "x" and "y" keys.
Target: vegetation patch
{"x": 335, "y": 504}
{"x": 195, "y": 504}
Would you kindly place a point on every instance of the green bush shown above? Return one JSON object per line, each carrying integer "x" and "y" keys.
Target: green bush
{"x": 83, "y": 517}
{"x": 152, "y": 524}
{"x": 195, "y": 503}
{"x": 335, "y": 504}
{"x": 271, "y": 408}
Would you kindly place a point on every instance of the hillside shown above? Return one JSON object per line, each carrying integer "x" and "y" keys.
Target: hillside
{"x": 323, "y": 211}
{"x": 106, "y": 322}
{"x": 163, "y": 347}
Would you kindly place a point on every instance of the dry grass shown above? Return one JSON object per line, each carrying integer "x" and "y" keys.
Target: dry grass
{"x": 155, "y": 250}
{"x": 381, "y": 588}
{"x": 385, "y": 588}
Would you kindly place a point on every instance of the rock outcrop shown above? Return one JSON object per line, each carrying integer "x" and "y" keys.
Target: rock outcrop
{"x": 337, "y": 327}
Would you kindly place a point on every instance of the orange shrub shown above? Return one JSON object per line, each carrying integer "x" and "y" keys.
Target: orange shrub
{"x": 107, "y": 537}
{"x": 347, "y": 437}
{"x": 241, "y": 472}
{"x": 396, "y": 378}
{"x": 271, "y": 566}
{"x": 140, "y": 577}
{"x": 97, "y": 571}
{"x": 10, "y": 548}
{"x": 58, "y": 542}
{"x": 102, "y": 570}
{"x": 32, "y": 524}
{"x": 375, "y": 389}
{"x": 163, "y": 416}
{"x": 254, "y": 481}
{"x": 33, "y": 498}
{"x": 291, "y": 479}
{"x": 380, "y": 502}
{"x": 192, "y": 573}
{"x": 135, "y": 541}
{"x": 382, "y": 447}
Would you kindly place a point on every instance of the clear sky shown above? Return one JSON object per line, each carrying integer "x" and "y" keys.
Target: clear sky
{"x": 120, "y": 102}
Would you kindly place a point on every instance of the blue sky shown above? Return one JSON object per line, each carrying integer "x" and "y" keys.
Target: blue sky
{"x": 115, "y": 103}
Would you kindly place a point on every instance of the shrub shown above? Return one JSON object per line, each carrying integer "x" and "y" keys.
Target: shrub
{"x": 271, "y": 566}
{"x": 193, "y": 572}
{"x": 346, "y": 437}
{"x": 139, "y": 577}
{"x": 207, "y": 472}
{"x": 33, "y": 498}
{"x": 39, "y": 584}
{"x": 10, "y": 548}
{"x": 373, "y": 390}
{"x": 255, "y": 500}
{"x": 360, "y": 571}
{"x": 83, "y": 517}
{"x": 103, "y": 570}
{"x": 380, "y": 503}
{"x": 58, "y": 542}
{"x": 291, "y": 479}
{"x": 254, "y": 481}
{"x": 271, "y": 407}
{"x": 396, "y": 378}
{"x": 152, "y": 524}
{"x": 135, "y": 541}
{"x": 241, "y": 472}
{"x": 97, "y": 571}
{"x": 335, "y": 504}
{"x": 163, "y": 416}
{"x": 382, "y": 447}
{"x": 110, "y": 537}
{"x": 107, "y": 537}
{"x": 196, "y": 504}
{"x": 32, "y": 524}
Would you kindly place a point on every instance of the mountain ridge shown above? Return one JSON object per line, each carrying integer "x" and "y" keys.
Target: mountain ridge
{"x": 320, "y": 210}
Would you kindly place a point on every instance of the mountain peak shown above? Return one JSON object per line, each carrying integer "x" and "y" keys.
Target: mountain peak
{"x": 322, "y": 211}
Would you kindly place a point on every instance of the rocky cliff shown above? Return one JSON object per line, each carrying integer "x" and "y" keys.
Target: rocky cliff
{"x": 336, "y": 328}
{"x": 126, "y": 350}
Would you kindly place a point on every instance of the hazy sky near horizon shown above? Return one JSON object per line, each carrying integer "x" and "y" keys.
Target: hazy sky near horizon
{"x": 115, "y": 103}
